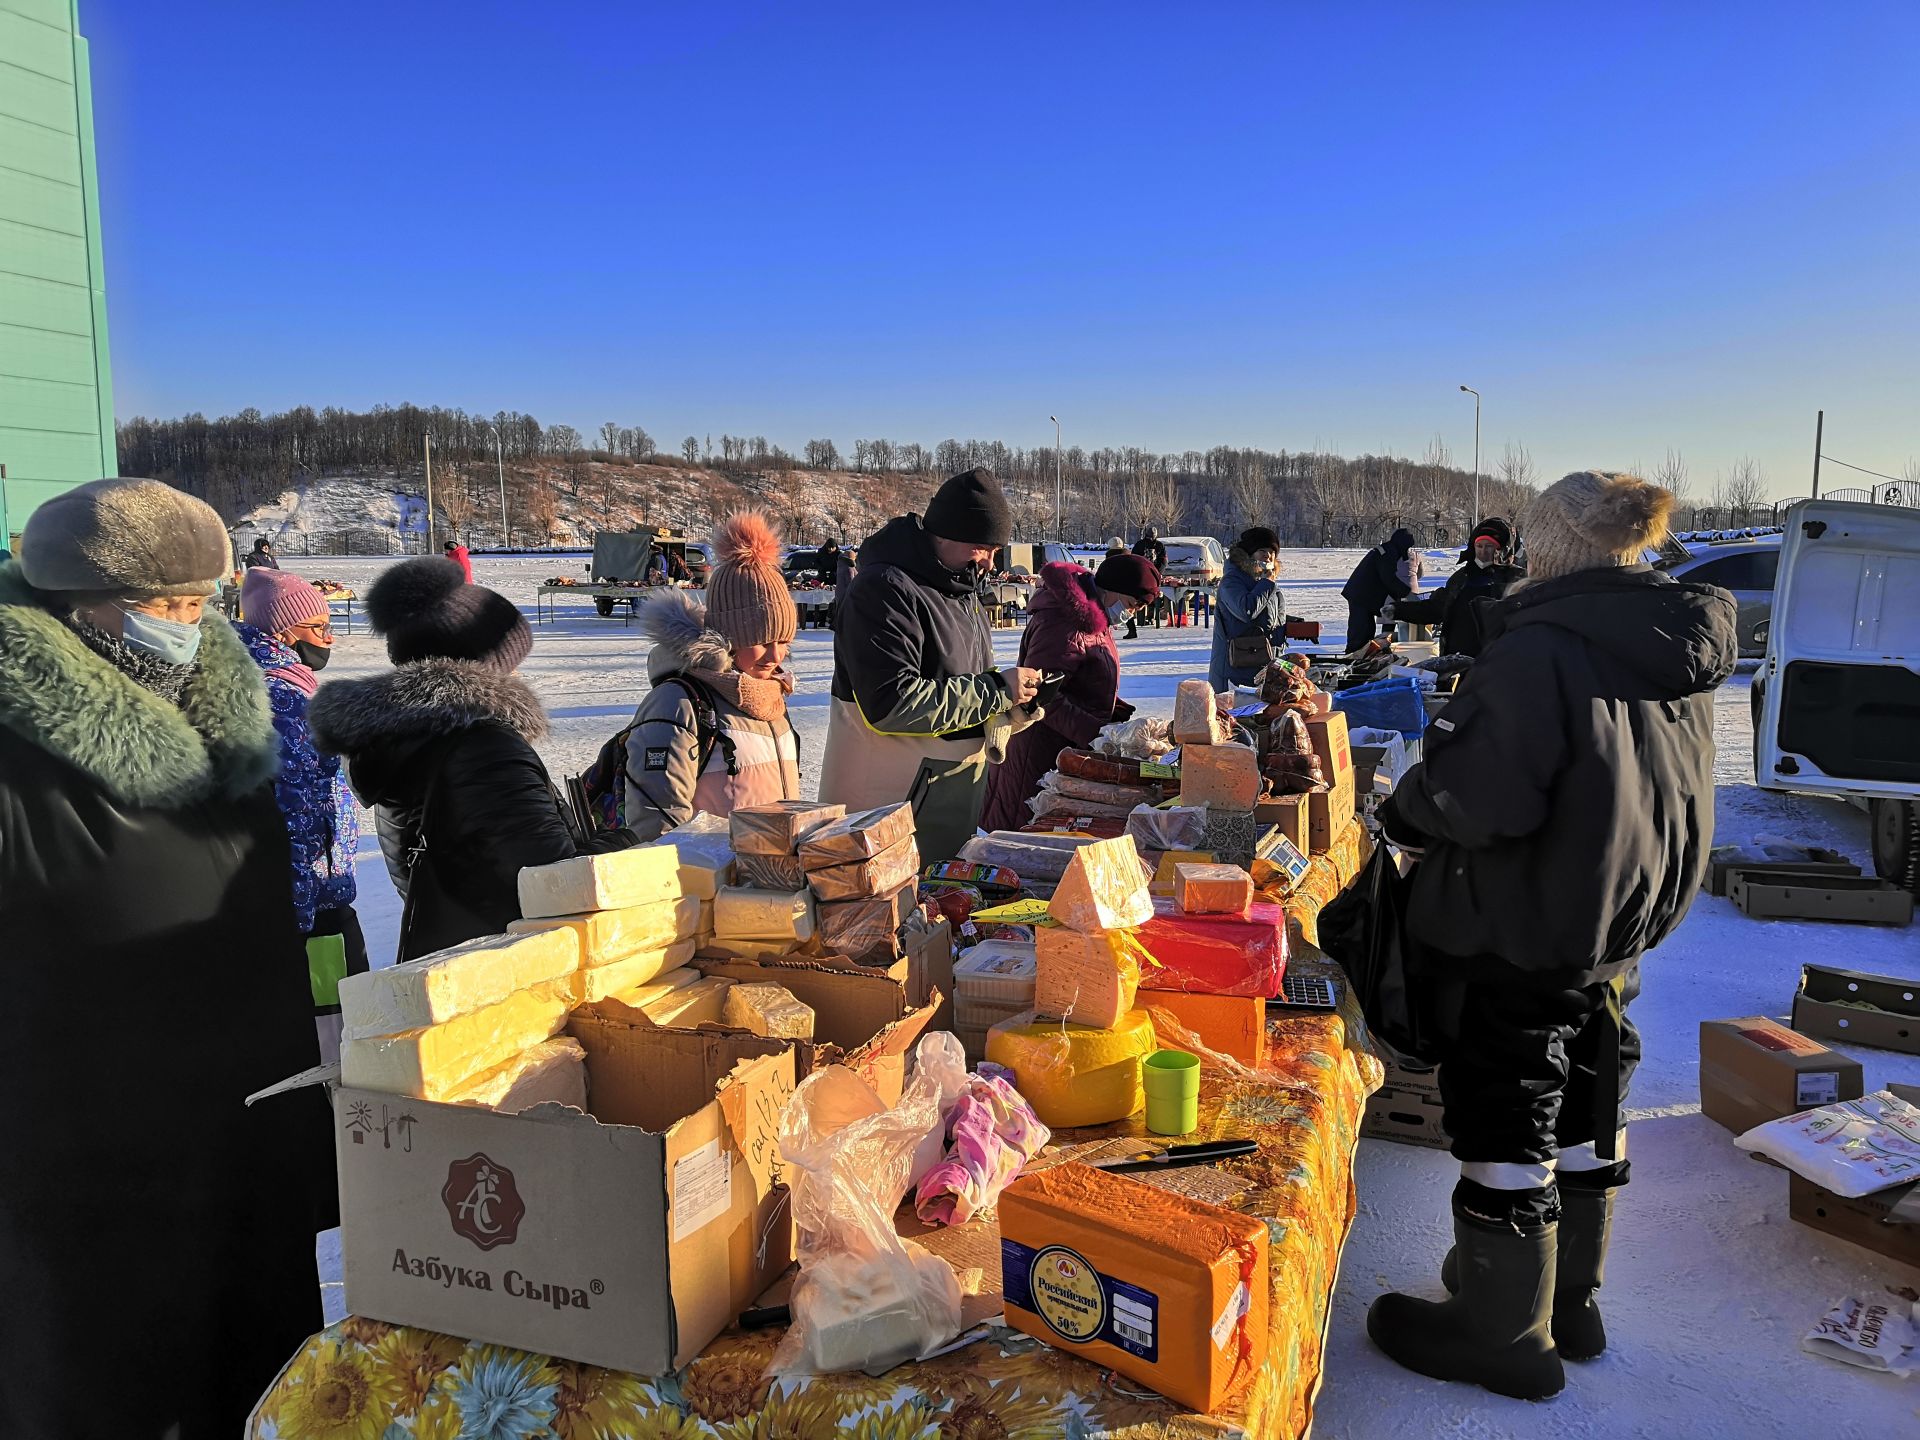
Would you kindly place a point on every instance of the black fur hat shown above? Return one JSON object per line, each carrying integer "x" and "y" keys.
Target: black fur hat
{"x": 428, "y": 611}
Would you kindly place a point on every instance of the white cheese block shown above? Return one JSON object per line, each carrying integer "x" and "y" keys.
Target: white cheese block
{"x": 769, "y": 1010}
{"x": 640, "y": 876}
{"x": 552, "y": 1071}
{"x": 457, "y": 981}
{"x": 584, "y": 987}
{"x": 639, "y": 997}
{"x": 706, "y": 862}
{"x": 704, "y": 1002}
{"x": 609, "y": 935}
{"x": 432, "y": 1063}
{"x": 742, "y": 914}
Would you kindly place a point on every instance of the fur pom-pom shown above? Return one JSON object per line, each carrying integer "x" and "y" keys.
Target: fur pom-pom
{"x": 746, "y": 538}
{"x": 1628, "y": 514}
{"x": 409, "y": 588}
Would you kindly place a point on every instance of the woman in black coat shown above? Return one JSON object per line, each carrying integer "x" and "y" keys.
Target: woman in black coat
{"x": 1374, "y": 581}
{"x": 156, "y": 1232}
{"x": 442, "y": 747}
{"x": 1485, "y": 574}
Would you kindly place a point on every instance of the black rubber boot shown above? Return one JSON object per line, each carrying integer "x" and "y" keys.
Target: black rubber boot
{"x": 1495, "y": 1333}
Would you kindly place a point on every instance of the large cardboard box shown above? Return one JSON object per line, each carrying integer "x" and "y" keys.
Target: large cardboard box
{"x": 1818, "y": 895}
{"x": 1830, "y": 1000}
{"x": 1865, "y": 1220}
{"x": 1406, "y": 1110}
{"x": 1330, "y": 811}
{"x": 1754, "y": 1070}
{"x": 1331, "y": 744}
{"x": 1822, "y": 862}
{"x": 1288, "y": 814}
{"x": 627, "y": 1238}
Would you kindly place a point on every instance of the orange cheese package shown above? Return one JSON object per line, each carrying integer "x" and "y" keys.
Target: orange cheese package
{"x": 1233, "y": 1025}
{"x": 1089, "y": 979}
{"x": 1104, "y": 888}
{"x": 1074, "y": 1074}
{"x": 1167, "y": 1290}
{"x": 1212, "y": 889}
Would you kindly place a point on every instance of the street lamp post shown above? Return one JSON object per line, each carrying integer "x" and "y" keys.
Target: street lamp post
{"x": 500, "y": 469}
{"x": 1059, "y": 524}
{"x": 1476, "y": 453}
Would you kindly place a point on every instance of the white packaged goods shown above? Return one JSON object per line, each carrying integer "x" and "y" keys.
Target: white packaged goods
{"x": 609, "y": 935}
{"x": 779, "y": 827}
{"x": 999, "y": 972}
{"x": 452, "y": 982}
{"x": 640, "y": 876}
{"x": 432, "y": 1063}
{"x": 1104, "y": 888}
{"x": 782, "y": 915}
{"x": 769, "y": 1010}
{"x": 1196, "y": 715}
{"x": 706, "y": 854}
{"x": 857, "y": 836}
{"x": 1878, "y": 1333}
{"x": 1853, "y": 1148}
{"x": 640, "y": 996}
{"x": 583, "y": 987}
{"x": 553, "y": 1071}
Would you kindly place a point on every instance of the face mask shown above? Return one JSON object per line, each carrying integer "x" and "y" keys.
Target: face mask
{"x": 313, "y": 656}
{"x": 1118, "y": 611}
{"x": 1483, "y": 564}
{"x": 171, "y": 641}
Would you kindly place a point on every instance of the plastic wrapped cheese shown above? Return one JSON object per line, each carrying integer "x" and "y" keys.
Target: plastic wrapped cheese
{"x": 643, "y": 875}
{"x": 1223, "y": 775}
{"x": 638, "y": 997}
{"x": 1089, "y": 979}
{"x": 1178, "y": 827}
{"x": 1212, "y": 889}
{"x": 778, "y": 915}
{"x": 1074, "y": 1074}
{"x": 610, "y": 935}
{"x": 865, "y": 929}
{"x": 1104, "y": 888}
{"x": 704, "y": 1002}
{"x": 778, "y": 827}
{"x": 706, "y": 855}
{"x": 769, "y": 872}
{"x": 554, "y": 1071}
{"x": 584, "y": 987}
{"x": 456, "y": 981}
{"x": 1031, "y": 857}
{"x": 858, "y": 836}
{"x": 1216, "y": 954}
{"x": 880, "y": 874}
{"x": 1196, "y": 715}
{"x": 768, "y": 1010}
{"x": 433, "y": 1062}
{"x": 1234, "y": 1025}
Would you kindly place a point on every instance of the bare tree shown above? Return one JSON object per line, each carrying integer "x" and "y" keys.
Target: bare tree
{"x": 822, "y": 455}
{"x": 1250, "y": 489}
{"x": 690, "y": 449}
{"x": 1740, "y": 489}
{"x": 1671, "y": 474}
{"x": 610, "y": 437}
{"x": 562, "y": 439}
{"x": 456, "y": 501}
{"x": 543, "y": 506}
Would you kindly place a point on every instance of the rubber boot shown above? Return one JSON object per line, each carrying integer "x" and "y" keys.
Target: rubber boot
{"x": 1586, "y": 1229}
{"x": 1495, "y": 1333}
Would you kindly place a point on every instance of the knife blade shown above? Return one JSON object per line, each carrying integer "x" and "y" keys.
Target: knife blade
{"x": 1176, "y": 1156}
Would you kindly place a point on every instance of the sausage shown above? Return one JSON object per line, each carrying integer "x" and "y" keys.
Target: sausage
{"x": 1107, "y": 769}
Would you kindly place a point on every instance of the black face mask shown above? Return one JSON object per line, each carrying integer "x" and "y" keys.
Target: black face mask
{"x": 313, "y": 656}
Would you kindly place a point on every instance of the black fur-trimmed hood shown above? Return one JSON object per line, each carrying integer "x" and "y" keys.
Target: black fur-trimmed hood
{"x": 422, "y": 700}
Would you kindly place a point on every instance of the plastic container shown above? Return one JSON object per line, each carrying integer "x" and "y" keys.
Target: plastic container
{"x": 997, "y": 973}
{"x": 1171, "y": 1079}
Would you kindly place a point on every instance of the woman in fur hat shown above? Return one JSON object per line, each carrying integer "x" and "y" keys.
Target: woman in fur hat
{"x": 712, "y": 733}
{"x": 150, "y": 1220}
{"x": 441, "y": 746}
{"x": 1250, "y": 604}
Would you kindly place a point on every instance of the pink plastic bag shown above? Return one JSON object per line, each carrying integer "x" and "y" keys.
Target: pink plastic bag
{"x": 994, "y": 1132}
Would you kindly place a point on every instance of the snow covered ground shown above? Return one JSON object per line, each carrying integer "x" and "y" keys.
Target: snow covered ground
{"x": 1710, "y": 1286}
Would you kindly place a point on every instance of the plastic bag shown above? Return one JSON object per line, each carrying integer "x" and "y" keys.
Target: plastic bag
{"x": 1100, "y": 792}
{"x": 994, "y": 1132}
{"x": 1853, "y": 1148}
{"x": 865, "y": 1298}
{"x": 1182, "y": 827}
{"x": 1878, "y": 1334}
{"x": 1144, "y": 739}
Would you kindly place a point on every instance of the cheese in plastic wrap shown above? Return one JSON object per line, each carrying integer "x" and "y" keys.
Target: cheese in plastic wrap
{"x": 1196, "y": 715}
{"x": 1179, "y": 827}
{"x": 777, "y": 915}
{"x": 643, "y": 875}
{"x": 1089, "y": 979}
{"x": 457, "y": 981}
{"x": 880, "y": 874}
{"x": 705, "y": 848}
{"x": 865, "y": 929}
{"x": 610, "y": 935}
{"x": 858, "y": 836}
{"x": 769, "y": 872}
{"x": 584, "y": 987}
{"x": 1212, "y": 889}
{"x": 552, "y": 1072}
{"x": 768, "y": 1010}
{"x": 432, "y": 1062}
{"x": 638, "y": 997}
{"x": 704, "y": 1002}
{"x": 1104, "y": 888}
{"x": 1223, "y": 775}
{"x": 778, "y": 827}
{"x": 1075, "y": 1075}
{"x": 1216, "y": 954}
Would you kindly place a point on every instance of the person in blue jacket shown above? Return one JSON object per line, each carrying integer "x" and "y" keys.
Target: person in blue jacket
{"x": 1382, "y": 575}
{"x": 1250, "y": 603}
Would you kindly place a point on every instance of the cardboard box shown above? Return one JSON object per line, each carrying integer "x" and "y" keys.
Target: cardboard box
{"x": 1230, "y": 835}
{"x": 1865, "y": 1220}
{"x": 1234, "y": 1025}
{"x": 1814, "y": 895}
{"x": 1893, "y": 1022}
{"x": 1331, "y": 744}
{"x": 1330, "y": 811}
{"x": 1824, "y": 862}
{"x": 1754, "y": 1070}
{"x": 1406, "y": 1110}
{"x": 627, "y": 1238}
{"x": 1287, "y": 813}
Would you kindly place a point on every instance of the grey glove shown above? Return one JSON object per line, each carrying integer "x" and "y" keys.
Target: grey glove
{"x": 1446, "y": 664}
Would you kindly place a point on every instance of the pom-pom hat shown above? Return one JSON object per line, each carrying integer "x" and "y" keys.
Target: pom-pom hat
{"x": 748, "y": 601}
{"x": 1594, "y": 519}
{"x": 428, "y": 611}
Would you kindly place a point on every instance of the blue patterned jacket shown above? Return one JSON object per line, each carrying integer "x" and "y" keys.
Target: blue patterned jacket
{"x": 323, "y": 822}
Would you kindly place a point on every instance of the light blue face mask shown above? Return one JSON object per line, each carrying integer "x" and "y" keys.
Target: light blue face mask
{"x": 172, "y": 641}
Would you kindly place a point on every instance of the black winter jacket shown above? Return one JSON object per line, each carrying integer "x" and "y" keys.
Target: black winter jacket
{"x": 1152, "y": 551}
{"x": 1453, "y": 606}
{"x": 1376, "y": 579}
{"x": 1566, "y": 793}
{"x": 443, "y": 751}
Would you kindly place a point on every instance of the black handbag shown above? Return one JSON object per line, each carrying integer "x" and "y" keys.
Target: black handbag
{"x": 1251, "y": 651}
{"x": 1364, "y": 930}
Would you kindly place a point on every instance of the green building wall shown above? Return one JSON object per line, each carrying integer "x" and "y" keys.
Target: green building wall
{"x": 56, "y": 387}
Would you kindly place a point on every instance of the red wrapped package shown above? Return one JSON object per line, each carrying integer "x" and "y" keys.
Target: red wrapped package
{"x": 1215, "y": 954}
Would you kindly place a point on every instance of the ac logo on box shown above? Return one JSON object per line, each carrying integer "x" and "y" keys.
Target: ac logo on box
{"x": 483, "y": 1202}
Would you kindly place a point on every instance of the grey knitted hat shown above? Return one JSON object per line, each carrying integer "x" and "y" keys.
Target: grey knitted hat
{"x": 133, "y": 538}
{"x": 1593, "y": 519}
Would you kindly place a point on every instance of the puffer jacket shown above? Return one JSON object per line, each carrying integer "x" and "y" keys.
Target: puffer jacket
{"x": 1379, "y": 577}
{"x": 443, "y": 751}
{"x": 1452, "y": 606}
{"x": 323, "y": 822}
{"x": 753, "y": 761}
{"x": 1067, "y": 633}
{"x": 1565, "y": 798}
{"x": 1248, "y": 605}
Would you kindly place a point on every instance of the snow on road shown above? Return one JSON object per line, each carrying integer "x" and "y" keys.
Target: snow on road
{"x": 1710, "y": 1286}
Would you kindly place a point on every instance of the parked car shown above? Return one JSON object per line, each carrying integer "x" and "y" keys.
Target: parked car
{"x": 700, "y": 562}
{"x": 1747, "y": 567}
{"x": 1194, "y": 559}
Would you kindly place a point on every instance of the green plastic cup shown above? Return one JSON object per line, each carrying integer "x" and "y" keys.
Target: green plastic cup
{"x": 1172, "y": 1080}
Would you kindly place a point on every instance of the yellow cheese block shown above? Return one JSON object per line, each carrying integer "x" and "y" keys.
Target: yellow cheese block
{"x": 552, "y": 1071}
{"x": 769, "y": 1010}
{"x": 1196, "y": 715}
{"x": 609, "y": 935}
{"x": 432, "y": 1063}
{"x": 641, "y": 876}
{"x": 1212, "y": 889}
{"x": 1089, "y": 979}
{"x": 1073, "y": 1074}
{"x": 1104, "y": 888}
{"x": 1224, "y": 775}
{"x": 457, "y": 981}
{"x": 704, "y": 1002}
{"x": 775, "y": 915}
{"x": 584, "y": 987}
{"x": 1169, "y": 860}
{"x": 637, "y": 997}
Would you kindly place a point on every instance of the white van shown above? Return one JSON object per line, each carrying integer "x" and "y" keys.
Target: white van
{"x": 1837, "y": 698}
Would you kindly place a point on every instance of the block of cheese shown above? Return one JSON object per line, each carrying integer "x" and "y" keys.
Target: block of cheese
{"x": 705, "y": 926}
{"x": 706, "y": 860}
{"x": 1074, "y": 1074}
{"x": 432, "y": 1062}
{"x": 880, "y": 874}
{"x": 644, "y": 875}
{"x": 1224, "y": 775}
{"x": 585, "y": 987}
{"x": 769, "y": 872}
{"x": 858, "y": 836}
{"x": 1196, "y": 716}
{"x": 704, "y": 1002}
{"x": 1234, "y": 1025}
{"x": 552, "y": 1071}
{"x": 743, "y": 914}
{"x": 1212, "y": 889}
{"x": 1089, "y": 979}
{"x": 639, "y": 996}
{"x": 768, "y": 1010}
{"x": 865, "y": 929}
{"x": 1167, "y": 1290}
{"x": 1216, "y": 954}
{"x": 609, "y": 935}
{"x": 1170, "y": 861}
{"x": 457, "y": 981}
{"x": 777, "y": 828}
{"x": 870, "y": 1311}
{"x": 1104, "y": 888}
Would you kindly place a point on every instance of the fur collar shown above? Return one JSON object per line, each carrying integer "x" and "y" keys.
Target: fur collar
{"x": 1070, "y": 590}
{"x": 677, "y": 625}
{"x": 55, "y": 692}
{"x": 422, "y": 697}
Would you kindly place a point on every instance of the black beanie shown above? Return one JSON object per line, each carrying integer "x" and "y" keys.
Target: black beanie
{"x": 972, "y": 509}
{"x": 1496, "y": 530}
{"x": 1258, "y": 538}
{"x": 427, "y": 611}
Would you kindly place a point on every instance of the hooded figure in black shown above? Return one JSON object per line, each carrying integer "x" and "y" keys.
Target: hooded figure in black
{"x": 1485, "y": 573}
{"x": 1374, "y": 581}
{"x": 1563, "y": 813}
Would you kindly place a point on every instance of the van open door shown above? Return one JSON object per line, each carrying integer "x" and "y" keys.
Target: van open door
{"x": 1839, "y": 711}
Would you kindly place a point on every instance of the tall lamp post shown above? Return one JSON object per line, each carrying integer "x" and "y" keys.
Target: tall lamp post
{"x": 500, "y": 469}
{"x": 1476, "y": 453}
{"x": 1059, "y": 524}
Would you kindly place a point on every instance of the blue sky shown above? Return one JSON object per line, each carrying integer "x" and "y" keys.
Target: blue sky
{"x": 1631, "y": 227}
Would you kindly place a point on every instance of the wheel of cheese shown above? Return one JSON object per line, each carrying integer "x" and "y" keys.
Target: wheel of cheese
{"x": 1074, "y": 1074}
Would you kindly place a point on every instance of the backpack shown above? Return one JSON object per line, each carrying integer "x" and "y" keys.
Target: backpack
{"x": 599, "y": 793}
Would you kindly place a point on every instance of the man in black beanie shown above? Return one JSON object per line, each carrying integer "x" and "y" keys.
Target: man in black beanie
{"x": 918, "y": 708}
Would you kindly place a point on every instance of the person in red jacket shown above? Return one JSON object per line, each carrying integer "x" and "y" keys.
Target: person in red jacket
{"x": 1069, "y": 632}
{"x": 457, "y": 553}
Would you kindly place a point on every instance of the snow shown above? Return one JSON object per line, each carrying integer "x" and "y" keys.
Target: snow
{"x": 1709, "y": 1287}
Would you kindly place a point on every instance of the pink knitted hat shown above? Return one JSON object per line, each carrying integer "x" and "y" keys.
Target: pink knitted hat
{"x": 274, "y": 600}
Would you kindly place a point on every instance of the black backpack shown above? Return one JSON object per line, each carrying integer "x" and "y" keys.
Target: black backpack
{"x": 599, "y": 793}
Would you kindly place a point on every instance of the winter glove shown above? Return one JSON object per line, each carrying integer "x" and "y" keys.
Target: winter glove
{"x": 1386, "y": 614}
{"x": 1122, "y": 712}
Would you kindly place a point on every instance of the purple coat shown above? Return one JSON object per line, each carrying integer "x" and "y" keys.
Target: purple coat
{"x": 1067, "y": 632}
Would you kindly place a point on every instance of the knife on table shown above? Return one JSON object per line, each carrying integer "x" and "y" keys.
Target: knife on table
{"x": 1176, "y": 1156}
